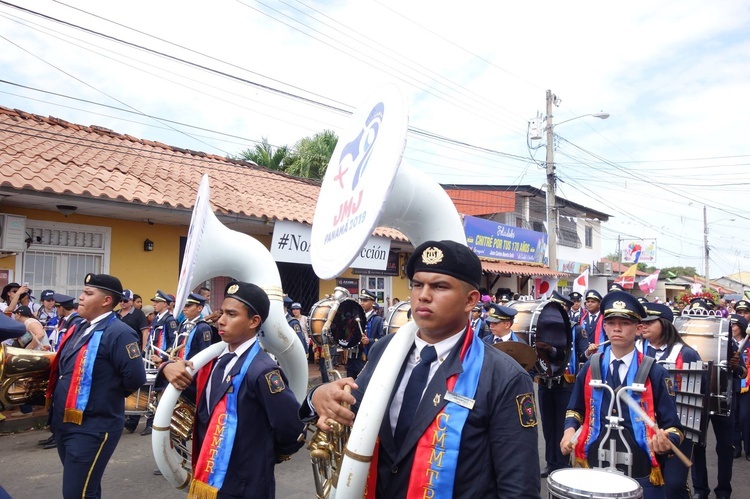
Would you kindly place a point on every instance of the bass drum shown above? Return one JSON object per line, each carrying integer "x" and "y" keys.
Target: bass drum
{"x": 397, "y": 317}
{"x": 710, "y": 336}
{"x": 346, "y": 326}
{"x": 546, "y": 323}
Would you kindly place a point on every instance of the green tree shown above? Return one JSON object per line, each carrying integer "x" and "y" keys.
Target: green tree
{"x": 264, "y": 154}
{"x": 312, "y": 154}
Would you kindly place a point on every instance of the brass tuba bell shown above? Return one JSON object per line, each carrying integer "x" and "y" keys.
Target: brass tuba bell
{"x": 24, "y": 374}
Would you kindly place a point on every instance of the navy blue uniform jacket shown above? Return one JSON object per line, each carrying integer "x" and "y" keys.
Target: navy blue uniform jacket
{"x": 497, "y": 458}
{"x": 267, "y": 427}
{"x": 118, "y": 371}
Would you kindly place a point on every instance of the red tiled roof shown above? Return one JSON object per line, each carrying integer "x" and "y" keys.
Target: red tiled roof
{"x": 497, "y": 267}
{"x": 47, "y": 154}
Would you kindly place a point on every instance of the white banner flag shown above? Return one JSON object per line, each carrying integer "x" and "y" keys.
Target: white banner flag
{"x": 581, "y": 284}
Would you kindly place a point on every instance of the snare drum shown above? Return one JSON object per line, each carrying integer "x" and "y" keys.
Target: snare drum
{"x": 137, "y": 403}
{"x": 397, "y": 317}
{"x": 587, "y": 483}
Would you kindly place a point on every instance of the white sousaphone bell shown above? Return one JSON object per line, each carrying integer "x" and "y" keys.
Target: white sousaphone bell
{"x": 214, "y": 250}
{"x": 366, "y": 186}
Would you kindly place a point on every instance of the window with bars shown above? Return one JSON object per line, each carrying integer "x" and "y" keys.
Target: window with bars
{"x": 589, "y": 237}
{"x": 61, "y": 255}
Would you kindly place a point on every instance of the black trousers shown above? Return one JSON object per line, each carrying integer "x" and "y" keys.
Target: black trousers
{"x": 84, "y": 457}
{"x": 553, "y": 403}
{"x": 723, "y": 428}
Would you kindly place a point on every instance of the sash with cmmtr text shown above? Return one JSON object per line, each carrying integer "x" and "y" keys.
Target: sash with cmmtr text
{"x": 210, "y": 467}
{"x": 433, "y": 471}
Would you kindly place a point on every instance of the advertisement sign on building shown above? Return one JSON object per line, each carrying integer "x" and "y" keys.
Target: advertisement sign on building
{"x": 490, "y": 239}
{"x": 291, "y": 243}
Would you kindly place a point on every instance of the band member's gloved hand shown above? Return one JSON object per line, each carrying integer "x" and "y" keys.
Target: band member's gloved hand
{"x": 327, "y": 400}
{"x": 176, "y": 373}
{"x": 566, "y": 446}
{"x": 659, "y": 443}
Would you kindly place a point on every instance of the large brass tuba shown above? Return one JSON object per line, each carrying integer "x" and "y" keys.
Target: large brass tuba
{"x": 240, "y": 256}
{"x": 24, "y": 374}
{"x": 366, "y": 186}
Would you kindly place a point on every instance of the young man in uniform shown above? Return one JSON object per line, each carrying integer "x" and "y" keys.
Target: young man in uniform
{"x": 500, "y": 318}
{"x": 620, "y": 365}
{"x": 575, "y": 309}
{"x": 242, "y": 396}
{"x": 96, "y": 367}
{"x": 373, "y": 331}
{"x": 491, "y": 447}
{"x": 194, "y": 333}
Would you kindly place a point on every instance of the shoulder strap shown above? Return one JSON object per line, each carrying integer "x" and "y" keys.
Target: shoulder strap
{"x": 642, "y": 373}
{"x": 595, "y": 366}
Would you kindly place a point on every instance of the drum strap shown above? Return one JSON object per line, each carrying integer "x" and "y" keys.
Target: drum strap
{"x": 595, "y": 366}
{"x": 642, "y": 374}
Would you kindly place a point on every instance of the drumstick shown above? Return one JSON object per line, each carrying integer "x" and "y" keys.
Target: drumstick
{"x": 650, "y": 422}
{"x": 573, "y": 442}
{"x": 604, "y": 343}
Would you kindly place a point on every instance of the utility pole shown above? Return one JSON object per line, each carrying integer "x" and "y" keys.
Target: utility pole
{"x": 551, "y": 201}
{"x": 705, "y": 245}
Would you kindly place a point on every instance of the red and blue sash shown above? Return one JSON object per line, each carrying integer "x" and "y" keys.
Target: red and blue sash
{"x": 159, "y": 338}
{"x": 436, "y": 457}
{"x": 745, "y": 382}
{"x": 210, "y": 466}
{"x": 592, "y": 421}
{"x": 82, "y": 377}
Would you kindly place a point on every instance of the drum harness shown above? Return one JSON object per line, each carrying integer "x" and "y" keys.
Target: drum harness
{"x": 614, "y": 420}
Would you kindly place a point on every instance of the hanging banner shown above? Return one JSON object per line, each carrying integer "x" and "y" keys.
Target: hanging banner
{"x": 291, "y": 243}
{"x": 490, "y": 239}
{"x": 638, "y": 250}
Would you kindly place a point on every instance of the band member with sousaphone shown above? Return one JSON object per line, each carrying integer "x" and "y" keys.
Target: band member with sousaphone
{"x": 621, "y": 366}
{"x": 244, "y": 398}
{"x": 661, "y": 340}
{"x": 194, "y": 333}
{"x": 97, "y": 365}
{"x": 457, "y": 397}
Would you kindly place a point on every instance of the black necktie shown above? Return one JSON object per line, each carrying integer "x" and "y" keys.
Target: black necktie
{"x": 217, "y": 378}
{"x": 614, "y": 379}
{"x": 497, "y": 340}
{"x": 413, "y": 394}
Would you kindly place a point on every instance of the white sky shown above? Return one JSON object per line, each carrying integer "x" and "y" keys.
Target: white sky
{"x": 673, "y": 75}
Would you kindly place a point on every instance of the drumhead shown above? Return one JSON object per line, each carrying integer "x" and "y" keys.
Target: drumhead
{"x": 574, "y": 483}
{"x": 397, "y": 317}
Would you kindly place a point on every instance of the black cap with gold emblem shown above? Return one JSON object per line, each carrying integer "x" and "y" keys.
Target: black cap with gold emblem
{"x": 251, "y": 295}
{"x": 593, "y": 294}
{"x": 557, "y": 297}
{"x": 105, "y": 282}
{"x": 657, "y": 310}
{"x": 575, "y": 296}
{"x": 497, "y": 313}
{"x": 739, "y": 320}
{"x": 742, "y": 305}
{"x": 446, "y": 257}
{"x": 622, "y": 304}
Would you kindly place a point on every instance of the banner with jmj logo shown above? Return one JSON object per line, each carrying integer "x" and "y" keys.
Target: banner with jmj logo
{"x": 291, "y": 243}
{"x": 493, "y": 240}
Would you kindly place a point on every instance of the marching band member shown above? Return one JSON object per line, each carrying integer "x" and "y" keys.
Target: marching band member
{"x": 620, "y": 365}
{"x": 575, "y": 311}
{"x": 554, "y": 392}
{"x": 723, "y": 428}
{"x": 660, "y": 340}
{"x": 500, "y": 319}
{"x": 294, "y": 323}
{"x": 47, "y": 314}
{"x": 194, "y": 333}
{"x": 477, "y": 404}
{"x": 478, "y": 325}
{"x": 242, "y": 396}
{"x": 592, "y": 321}
{"x": 741, "y": 403}
{"x": 373, "y": 331}
{"x": 96, "y": 367}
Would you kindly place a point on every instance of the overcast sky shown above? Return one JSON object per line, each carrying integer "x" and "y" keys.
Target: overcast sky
{"x": 216, "y": 76}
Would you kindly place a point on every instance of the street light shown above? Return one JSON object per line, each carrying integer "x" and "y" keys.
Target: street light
{"x": 551, "y": 201}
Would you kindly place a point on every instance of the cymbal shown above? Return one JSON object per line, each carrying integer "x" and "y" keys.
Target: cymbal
{"x": 521, "y": 353}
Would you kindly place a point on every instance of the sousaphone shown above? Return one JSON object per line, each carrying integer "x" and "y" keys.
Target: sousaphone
{"x": 366, "y": 186}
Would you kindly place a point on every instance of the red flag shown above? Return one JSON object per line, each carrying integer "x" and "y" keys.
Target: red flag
{"x": 581, "y": 283}
{"x": 627, "y": 278}
{"x": 648, "y": 284}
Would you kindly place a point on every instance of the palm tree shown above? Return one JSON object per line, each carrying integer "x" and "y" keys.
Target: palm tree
{"x": 264, "y": 154}
{"x": 312, "y": 154}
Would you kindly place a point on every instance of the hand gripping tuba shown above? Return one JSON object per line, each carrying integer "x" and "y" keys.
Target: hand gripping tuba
{"x": 214, "y": 250}
{"x": 366, "y": 186}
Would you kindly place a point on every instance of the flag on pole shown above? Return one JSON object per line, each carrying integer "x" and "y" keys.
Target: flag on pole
{"x": 581, "y": 283}
{"x": 648, "y": 284}
{"x": 545, "y": 287}
{"x": 627, "y": 278}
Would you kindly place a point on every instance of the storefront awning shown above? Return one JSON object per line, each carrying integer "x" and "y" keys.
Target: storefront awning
{"x": 495, "y": 267}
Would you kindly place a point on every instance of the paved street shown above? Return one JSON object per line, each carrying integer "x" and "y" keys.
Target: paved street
{"x": 28, "y": 472}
